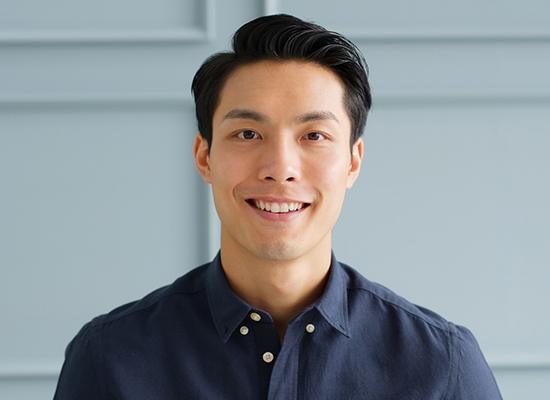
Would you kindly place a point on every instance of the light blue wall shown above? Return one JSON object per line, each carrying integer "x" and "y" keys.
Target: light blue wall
{"x": 100, "y": 202}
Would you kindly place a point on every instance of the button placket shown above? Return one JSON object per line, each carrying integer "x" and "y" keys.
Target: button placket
{"x": 266, "y": 339}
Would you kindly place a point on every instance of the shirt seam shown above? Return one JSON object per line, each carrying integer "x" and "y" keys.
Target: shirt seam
{"x": 415, "y": 316}
{"x": 453, "y": 363}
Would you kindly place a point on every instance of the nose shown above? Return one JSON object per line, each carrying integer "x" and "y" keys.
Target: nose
{"x": 280, "y": 162}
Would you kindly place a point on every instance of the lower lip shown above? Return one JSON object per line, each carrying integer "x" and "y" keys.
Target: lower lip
{"x": 277, "y": 217}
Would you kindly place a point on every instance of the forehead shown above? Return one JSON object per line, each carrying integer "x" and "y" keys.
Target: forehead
{"x": 282, "y": 89}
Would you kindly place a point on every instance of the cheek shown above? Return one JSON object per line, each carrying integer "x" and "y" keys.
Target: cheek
{"x": 229, "y": 171}
{"x": 329, "y": 172}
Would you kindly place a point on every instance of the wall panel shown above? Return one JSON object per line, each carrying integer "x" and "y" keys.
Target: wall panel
{"x": 61, "y": 21}
{"x": 427, "y": 19}
{"x": 450, "y": 72}
{"x": 102, "y": 14}
{"x": 97, "y": 71}
{"x": 99, "y": 207}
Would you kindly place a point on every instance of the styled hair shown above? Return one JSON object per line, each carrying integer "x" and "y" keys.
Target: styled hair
{"x": 279, "y": 38}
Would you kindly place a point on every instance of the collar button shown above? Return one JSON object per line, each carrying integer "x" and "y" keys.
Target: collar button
{"x": 255, "y": 317}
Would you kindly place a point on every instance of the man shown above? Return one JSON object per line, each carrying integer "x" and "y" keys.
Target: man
{"x": 275, "y": 315}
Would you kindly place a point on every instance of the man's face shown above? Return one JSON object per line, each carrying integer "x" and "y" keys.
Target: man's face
{"x": 280, "y": 140}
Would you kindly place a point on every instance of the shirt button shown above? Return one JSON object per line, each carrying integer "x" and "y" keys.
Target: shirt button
{"x": 244, "y": 330}
{"x": 310, "y": 328}
{"x": 268, "y": 357}
{"x": 255, "y": 316}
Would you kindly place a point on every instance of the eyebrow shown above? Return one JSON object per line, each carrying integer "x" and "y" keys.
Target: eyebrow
{"x": 316, "y": 116}
{"x": 240, "y": 113}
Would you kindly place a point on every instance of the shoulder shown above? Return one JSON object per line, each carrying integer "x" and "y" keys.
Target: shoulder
{"x": 156, "y": 302}
{"x": 428, "y": 341}
{"x": 390, "y": 303}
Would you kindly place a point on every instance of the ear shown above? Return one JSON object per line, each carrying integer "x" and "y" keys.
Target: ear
{"x": 202, "y": 159}
{"x": 355, "y": 165}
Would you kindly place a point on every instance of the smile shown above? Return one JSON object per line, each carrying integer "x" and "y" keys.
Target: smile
{"x": 277, "y": 207}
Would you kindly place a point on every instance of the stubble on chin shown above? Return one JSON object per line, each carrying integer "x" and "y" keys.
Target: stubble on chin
{"x": 276, "y": 251}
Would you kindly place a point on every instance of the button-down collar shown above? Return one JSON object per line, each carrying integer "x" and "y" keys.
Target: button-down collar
{"x": 229, "y": 310}
{"x": 333, "y": 303}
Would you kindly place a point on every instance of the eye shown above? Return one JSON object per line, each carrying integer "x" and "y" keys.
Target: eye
{"x": 247, "y": 134}
{"x": 315, "y": 136}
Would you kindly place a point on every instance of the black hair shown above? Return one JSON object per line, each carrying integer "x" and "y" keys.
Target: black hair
{"x": 284, "y": 37}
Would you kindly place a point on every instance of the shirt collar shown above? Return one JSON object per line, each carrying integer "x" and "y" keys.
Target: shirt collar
{"x": 229, "y": 310}
{"x": 333, "y": 303}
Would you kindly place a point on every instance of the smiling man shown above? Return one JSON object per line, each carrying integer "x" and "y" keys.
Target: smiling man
{"x": 279, "y": 163}
{"x": 275, "y": 315}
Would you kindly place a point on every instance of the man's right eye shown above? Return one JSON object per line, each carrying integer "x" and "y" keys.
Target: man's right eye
{"x": 247, "y": 134}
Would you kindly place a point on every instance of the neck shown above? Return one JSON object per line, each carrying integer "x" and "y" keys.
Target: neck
{"x": 280, "y": 287}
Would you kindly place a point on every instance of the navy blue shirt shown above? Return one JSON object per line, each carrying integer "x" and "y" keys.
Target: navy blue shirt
{"x": 196, "y": 339}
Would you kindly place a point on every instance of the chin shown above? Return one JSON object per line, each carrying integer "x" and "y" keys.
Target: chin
{"x": 278, "y": 251}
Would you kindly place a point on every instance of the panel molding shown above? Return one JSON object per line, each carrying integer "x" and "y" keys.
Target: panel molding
{"x": 426, "y": 35}
{"x": 445, "y": 100}
{"x": 30, "y": 370}
{"x": 205, "y": 33}
{"x": 518, "y": 362}
{"x": 270, "y": 7}
{"x": 64, "y": 100}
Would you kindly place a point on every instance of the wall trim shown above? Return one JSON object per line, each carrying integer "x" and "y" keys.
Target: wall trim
{"x": 444, "y": 100}
{"x": 205, "y": 33}
{"x": 396, "y": 36}
{"x": 29, "y": 370}
{"x": 518, "y": 362}
{"x": 103, "y": 36}
{"x": 67, "y": 100}
{"x": 270, "y": 7}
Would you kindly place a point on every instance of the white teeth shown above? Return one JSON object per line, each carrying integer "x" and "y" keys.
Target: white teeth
{"x": 278, "y": 207}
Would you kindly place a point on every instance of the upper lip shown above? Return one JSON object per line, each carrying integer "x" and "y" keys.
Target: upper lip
{"x": 273, "y": 199}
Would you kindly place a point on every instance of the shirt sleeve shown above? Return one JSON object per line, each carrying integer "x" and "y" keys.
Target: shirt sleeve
{"x": 473, "y": 378}
{"x": 79, "y": 378}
